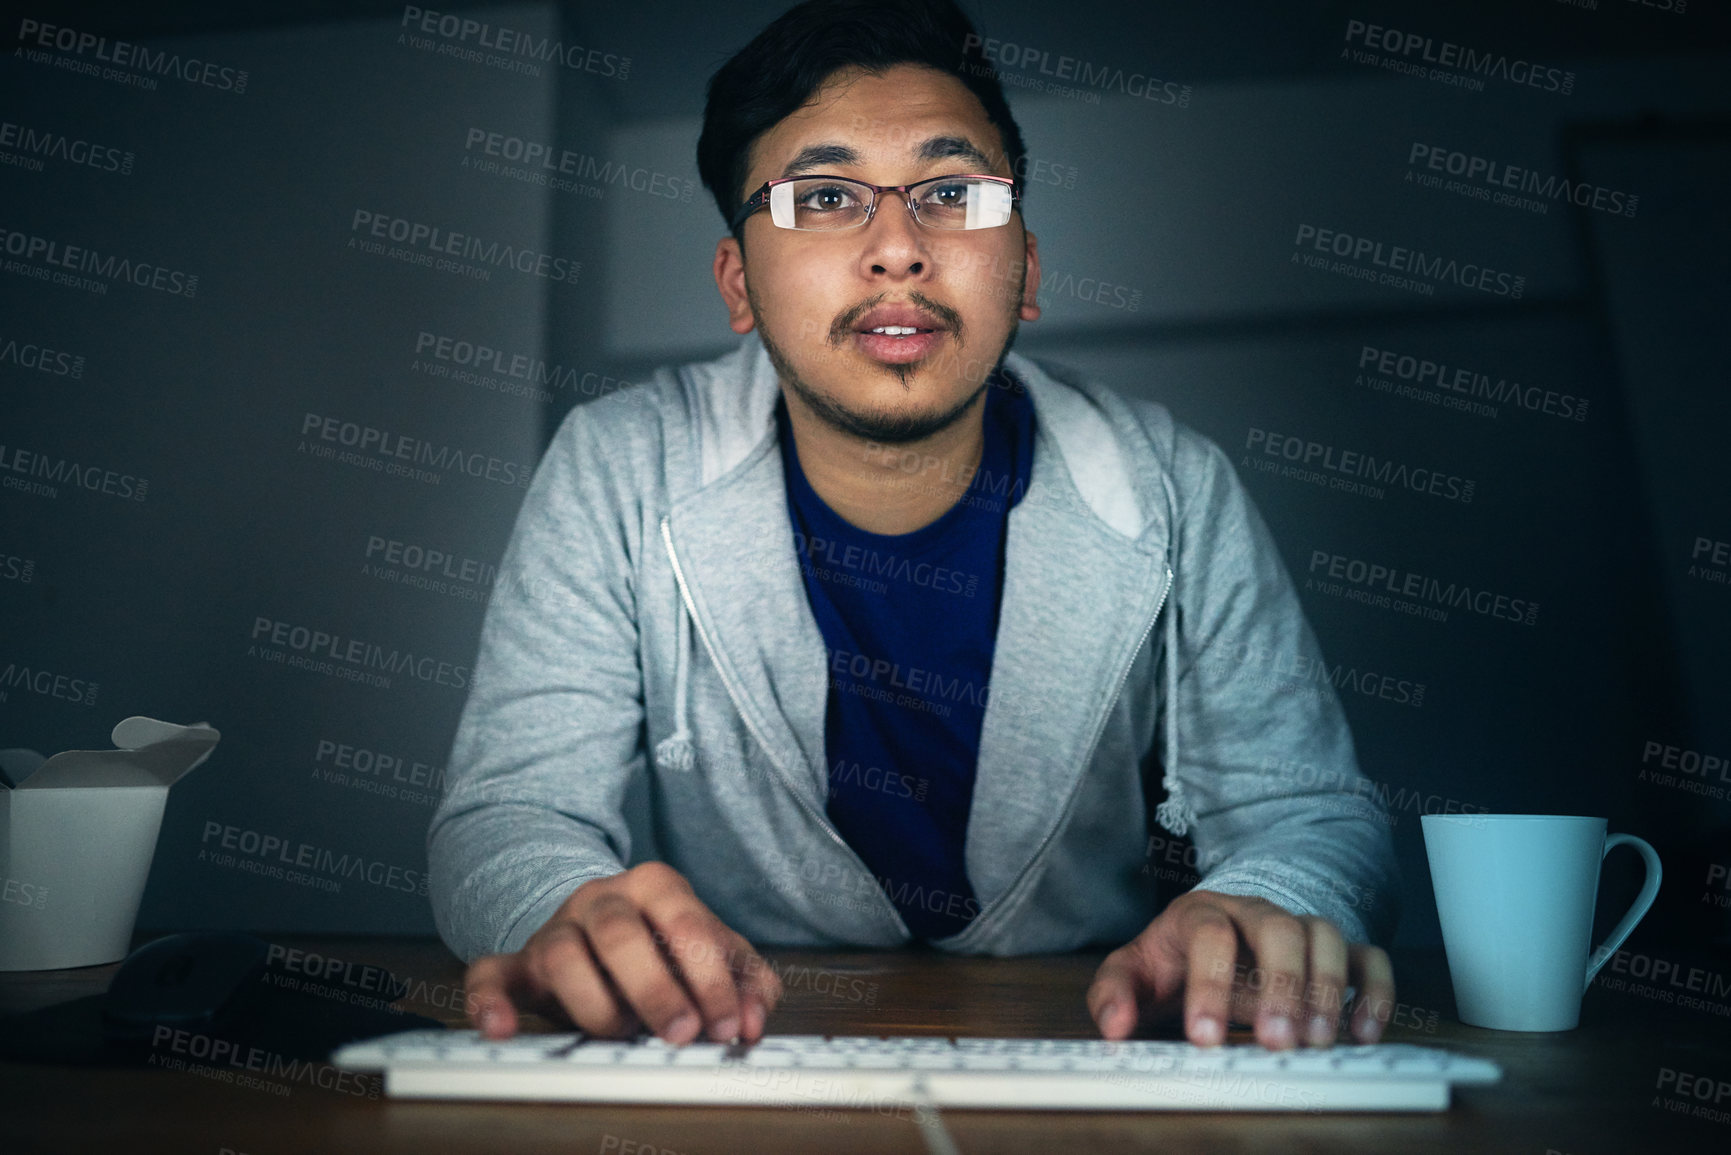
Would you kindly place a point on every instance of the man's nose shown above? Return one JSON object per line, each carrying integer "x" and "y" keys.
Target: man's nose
{"x": 895, "y": 243}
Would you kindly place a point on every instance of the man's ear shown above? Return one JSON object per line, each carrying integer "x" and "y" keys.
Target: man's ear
{"x": 1030, "y": 310}
{"x": 730, "y": 279}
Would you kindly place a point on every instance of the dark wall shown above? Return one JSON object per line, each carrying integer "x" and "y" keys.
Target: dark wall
{"x": 1569, "y": 657}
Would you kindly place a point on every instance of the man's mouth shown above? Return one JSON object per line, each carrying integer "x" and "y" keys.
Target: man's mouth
{"x": 898, "y": 344}
{"x": 900, "y": 334}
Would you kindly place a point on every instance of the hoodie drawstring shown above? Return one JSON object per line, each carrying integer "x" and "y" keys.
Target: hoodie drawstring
{"x": 1176, "y": 813}
{"x": 675, "y": 751}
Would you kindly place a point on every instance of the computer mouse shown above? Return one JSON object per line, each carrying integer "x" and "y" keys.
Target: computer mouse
{"x": 191, "y": 981}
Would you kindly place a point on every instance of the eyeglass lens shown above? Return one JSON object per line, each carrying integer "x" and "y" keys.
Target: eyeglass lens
{"x": 822, "y": 203}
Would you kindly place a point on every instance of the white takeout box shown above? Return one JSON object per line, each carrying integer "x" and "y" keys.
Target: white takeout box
{"x": 77, "y": 833}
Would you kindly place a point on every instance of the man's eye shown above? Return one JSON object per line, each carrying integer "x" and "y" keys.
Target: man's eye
{"x": 948, "y": 195}
{"x": 827, "y": 198}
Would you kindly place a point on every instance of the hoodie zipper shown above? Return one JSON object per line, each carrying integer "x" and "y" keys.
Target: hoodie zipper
{"x": 735, "y": 697}
{"x": 1099, "y": 729}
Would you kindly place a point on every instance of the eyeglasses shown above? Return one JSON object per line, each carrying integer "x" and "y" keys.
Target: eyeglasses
{"x": 827, "y": 203}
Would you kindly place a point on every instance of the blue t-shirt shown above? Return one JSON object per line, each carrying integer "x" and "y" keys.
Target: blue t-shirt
{"x": 910, "y": 621}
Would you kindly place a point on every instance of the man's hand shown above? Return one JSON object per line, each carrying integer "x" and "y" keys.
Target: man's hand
{"x": 1291, "y": 985}
{"x": 638, "y": 947}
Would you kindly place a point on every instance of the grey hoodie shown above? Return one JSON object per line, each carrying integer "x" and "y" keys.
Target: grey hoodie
{"x": 651, "y": 684}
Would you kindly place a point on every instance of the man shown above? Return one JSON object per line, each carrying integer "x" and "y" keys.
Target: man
{"x": 872, "y": 631}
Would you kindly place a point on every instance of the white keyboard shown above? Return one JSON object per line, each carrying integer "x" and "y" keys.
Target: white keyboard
{"x": 879, "y": 1074}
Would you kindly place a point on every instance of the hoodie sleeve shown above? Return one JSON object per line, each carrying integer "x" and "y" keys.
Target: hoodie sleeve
{"x": 1265, "y": 757}
{"x": 551, "y": 732}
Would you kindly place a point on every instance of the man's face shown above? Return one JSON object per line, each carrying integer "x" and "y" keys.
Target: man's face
{"x": 814, "y": 296}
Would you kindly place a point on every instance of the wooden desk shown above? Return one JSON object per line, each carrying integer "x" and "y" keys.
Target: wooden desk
{"x": 1587, "y": 1092}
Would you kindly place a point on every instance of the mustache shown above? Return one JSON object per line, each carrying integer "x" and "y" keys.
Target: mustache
{"x": 842, "y": 329}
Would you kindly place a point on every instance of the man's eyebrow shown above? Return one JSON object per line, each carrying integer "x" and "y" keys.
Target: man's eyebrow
{"x": 946, "y": 147}
{"x": 817, "y": 156}
{"x": 820, "y": 156}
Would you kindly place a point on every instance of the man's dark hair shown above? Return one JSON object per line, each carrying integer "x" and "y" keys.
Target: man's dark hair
{"x": 777, "y": 73}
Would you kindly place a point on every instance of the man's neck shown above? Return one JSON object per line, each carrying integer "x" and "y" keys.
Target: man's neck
{"x": 888, "y": 489}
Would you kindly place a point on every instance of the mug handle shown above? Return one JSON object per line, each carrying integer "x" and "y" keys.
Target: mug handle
{"x": 1649, "y": 891}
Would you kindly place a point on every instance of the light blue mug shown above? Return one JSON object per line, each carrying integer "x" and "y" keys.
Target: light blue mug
{"x": 1515, "y": 893}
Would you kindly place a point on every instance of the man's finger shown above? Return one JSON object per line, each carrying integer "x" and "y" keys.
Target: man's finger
{"x": 487, "y": 994}
{"x": 701, "y": 950}
{"x": 1374, "y": 975}
{"x": 560, "y": 963}
{"x": 1211, "y": 964}
{"x": 625, "y": 948}
{"x": 1326, "y": 985}
{"x": 1280, "y": 944}
{"x": 760, "y": 989}
{"x": 1114, "y": 994}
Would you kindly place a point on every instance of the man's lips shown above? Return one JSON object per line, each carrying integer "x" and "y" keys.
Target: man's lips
{"x": 900, "y": 333}
{"x": 899, "y": 317}
{"x": 899, "y": 346}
